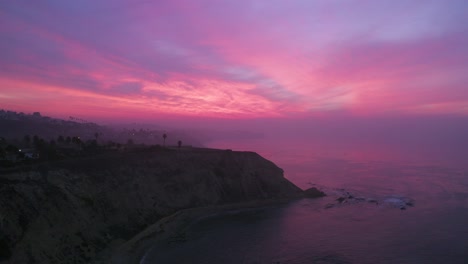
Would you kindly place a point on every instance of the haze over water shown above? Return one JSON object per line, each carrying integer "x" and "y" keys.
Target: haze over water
{"x": 305, "y": 161}
{"x": 409, "y": 180}
{"x": 432, "y": 230}
{"x": 366, "y": 96}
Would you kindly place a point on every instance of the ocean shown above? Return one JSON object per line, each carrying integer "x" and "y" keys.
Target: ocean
{"x": 385, "y": 204}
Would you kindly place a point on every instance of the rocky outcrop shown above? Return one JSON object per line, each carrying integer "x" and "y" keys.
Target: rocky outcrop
{"x": 313, "y": 193}
{"x": 68, "y": 212}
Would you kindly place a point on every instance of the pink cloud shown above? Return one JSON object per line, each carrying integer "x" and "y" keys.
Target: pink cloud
{"x": 236, "y": 59}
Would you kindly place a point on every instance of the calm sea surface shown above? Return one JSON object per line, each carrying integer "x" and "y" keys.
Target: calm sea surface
{"x": 402, "y": 206}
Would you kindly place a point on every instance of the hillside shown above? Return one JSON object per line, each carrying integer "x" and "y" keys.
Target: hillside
{"x": 69, "y": 211}
{"x": 16, "y": 126}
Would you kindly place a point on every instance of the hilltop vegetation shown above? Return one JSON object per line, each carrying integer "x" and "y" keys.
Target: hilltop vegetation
{"x": 83, "y": 195}
{"x": 33, "y": 138}
{"x": 15, "y": 125}
{"x": 79, "y": 207}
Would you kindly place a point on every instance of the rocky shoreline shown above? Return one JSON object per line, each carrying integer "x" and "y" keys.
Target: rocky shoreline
{"x": 172, "y": 228}
{"x": 83, "y": 210}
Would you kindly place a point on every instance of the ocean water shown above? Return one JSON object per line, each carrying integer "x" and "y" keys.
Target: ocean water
{"x": 398, "y": 205}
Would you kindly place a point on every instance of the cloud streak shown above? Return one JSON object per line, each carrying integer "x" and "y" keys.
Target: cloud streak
{"x": 237, "y": 59}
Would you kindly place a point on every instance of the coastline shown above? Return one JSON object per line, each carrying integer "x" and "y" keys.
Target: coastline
{"x": 132, "y": 251}
{"x": 91, "y": 210}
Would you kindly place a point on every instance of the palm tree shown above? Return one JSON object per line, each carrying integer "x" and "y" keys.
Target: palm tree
{"x": 27, "y": 140}
{"x": 164, "y": 138}
{"x": 2, "y": 153}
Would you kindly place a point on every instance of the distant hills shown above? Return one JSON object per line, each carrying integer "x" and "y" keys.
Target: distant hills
{"x": 17, "y": 125}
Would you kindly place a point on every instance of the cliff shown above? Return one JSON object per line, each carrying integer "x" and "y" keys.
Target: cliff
{"x": 69, "y": 211}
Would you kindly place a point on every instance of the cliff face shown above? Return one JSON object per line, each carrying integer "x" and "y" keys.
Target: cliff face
{"x": 68, "y": 212}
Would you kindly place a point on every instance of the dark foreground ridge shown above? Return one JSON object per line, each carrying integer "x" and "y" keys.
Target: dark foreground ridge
{"x": 72, "y": 211}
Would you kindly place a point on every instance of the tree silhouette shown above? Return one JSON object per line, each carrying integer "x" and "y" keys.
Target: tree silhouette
{"x": 77, "y": 141}
{"x": 91, "y": 145}
{"x": 164, "y": 138}
{"x": 2, "y": 153}
{"x": 35, "y": 140}
{"x": 11, "y": 149}
{"x": 27, "y": 140}
{"x": 179, "y": 143}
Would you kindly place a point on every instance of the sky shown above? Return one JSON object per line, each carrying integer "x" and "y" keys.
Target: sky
{"x": 178, "y": 60}
{"x": 291, "y": 80}
{"x": 234, "y": 59}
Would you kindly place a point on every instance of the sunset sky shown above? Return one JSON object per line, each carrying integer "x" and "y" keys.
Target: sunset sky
{"x": 231, "y": 59}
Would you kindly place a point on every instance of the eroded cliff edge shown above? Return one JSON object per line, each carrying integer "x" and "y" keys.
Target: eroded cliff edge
{"x": 69, "y": 211}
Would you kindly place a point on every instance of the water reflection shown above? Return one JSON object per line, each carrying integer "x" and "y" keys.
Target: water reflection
{"x": 305, "y": 232}
{"x": 434, "y": 230}
{"x": 329, "y": 163}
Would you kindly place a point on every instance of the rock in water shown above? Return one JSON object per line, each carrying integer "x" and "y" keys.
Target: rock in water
{"x": 313, "y": 193}
{"x": 86, "y": 204}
